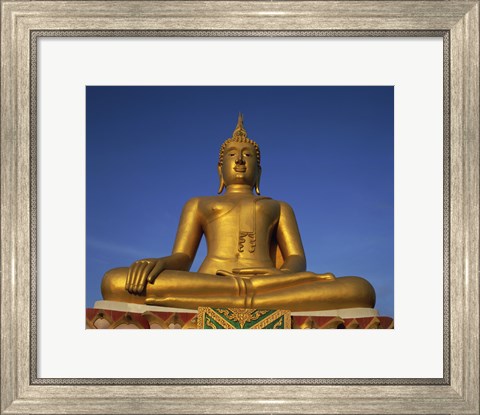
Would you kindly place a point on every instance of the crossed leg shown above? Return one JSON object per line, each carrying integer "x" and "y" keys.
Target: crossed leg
{"x": 303, "y": 291}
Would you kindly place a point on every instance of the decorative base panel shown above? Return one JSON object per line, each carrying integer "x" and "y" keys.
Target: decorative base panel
{"x": 242, "y": 318}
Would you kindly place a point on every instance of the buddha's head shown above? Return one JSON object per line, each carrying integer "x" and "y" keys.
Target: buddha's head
{"x": 239, "y": 160}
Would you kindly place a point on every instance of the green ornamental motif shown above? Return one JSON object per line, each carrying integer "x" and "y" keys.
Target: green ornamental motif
{"x": 242, "y": 318}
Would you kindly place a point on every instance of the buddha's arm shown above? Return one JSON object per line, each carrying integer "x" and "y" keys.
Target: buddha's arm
{"x": 189, "y": 234}
{"x": 289, "y": 241}
{"x": 188, "y": 237}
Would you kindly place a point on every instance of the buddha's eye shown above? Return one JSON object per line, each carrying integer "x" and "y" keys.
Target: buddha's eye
{"x": 247, "y": 154}
{"x": 232, "y": 154}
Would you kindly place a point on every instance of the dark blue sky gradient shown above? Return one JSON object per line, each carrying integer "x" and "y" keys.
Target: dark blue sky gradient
{"x": 327, "y": 151}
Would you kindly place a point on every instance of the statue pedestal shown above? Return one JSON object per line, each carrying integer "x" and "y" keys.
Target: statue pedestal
{"x": 118, "y": 315}
{"x": 143, "y": 308}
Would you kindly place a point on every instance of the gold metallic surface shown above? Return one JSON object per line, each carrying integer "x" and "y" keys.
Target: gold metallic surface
{"x": 255, "y": 257}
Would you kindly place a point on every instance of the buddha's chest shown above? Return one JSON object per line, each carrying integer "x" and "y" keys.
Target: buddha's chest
{"x": 246, "y": 215}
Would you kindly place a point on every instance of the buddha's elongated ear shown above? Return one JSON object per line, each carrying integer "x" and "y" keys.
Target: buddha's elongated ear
{"x": 257, "y": 181}
{"x": 222, "y": 183}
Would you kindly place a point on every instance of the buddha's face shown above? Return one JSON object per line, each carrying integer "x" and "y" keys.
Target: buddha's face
{"x": 240, "y": 164}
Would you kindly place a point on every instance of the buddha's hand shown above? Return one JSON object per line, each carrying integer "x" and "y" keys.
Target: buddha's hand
{"x": 142, "y": 271}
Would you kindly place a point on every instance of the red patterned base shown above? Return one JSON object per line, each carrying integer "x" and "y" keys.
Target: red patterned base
{"x": 109, "y": 319}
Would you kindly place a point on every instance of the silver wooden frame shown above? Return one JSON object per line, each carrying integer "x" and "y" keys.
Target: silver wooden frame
{"x": 24, "y": 21}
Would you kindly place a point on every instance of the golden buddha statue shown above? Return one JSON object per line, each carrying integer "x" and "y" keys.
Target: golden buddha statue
{"x": 255, "y": 257}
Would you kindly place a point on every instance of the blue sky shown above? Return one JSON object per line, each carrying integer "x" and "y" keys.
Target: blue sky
{"x": 327, "y": 151}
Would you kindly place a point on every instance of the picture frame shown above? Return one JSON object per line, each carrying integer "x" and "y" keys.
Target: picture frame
{"x": 457, "y": 22}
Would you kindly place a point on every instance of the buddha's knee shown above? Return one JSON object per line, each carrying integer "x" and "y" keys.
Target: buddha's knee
{"x": 113, "y": 283}
{"x": 361, "y": 291}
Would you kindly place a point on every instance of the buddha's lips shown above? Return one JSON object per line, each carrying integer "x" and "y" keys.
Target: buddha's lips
{"x": 240, "y": 169}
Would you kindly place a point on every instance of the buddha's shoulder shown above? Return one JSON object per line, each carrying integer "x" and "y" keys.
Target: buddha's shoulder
{"x": 283, "y": 204}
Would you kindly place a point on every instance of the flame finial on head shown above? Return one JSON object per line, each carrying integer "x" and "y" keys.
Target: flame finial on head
{"x": 239, "y": 131}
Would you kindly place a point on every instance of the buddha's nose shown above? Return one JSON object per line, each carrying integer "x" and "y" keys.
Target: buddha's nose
{"x": 240, "y": 160}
